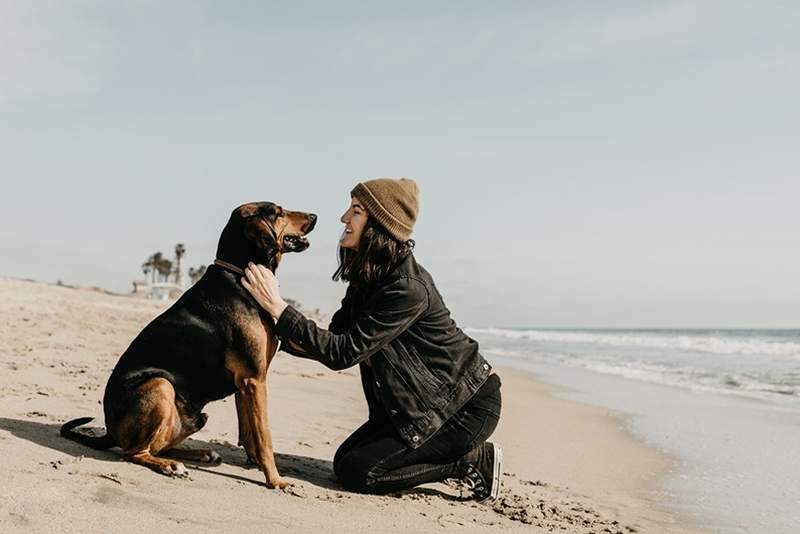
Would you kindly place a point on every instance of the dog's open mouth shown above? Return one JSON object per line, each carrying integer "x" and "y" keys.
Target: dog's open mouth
{"x": 295, "y": 243}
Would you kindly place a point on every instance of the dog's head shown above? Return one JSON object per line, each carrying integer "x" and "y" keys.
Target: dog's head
{"x": 261, "y": 232}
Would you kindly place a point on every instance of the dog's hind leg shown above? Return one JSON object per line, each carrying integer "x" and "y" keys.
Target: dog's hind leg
{"x": 206, "y": 456}
{"x": 191, "y": 424}
{"x": 152, "y": 425}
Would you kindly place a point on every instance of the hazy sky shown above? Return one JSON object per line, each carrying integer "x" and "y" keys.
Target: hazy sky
{"x": 580, "y": 163}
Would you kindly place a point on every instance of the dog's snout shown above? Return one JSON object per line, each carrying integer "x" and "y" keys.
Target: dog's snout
{"x": 312, "y": 220}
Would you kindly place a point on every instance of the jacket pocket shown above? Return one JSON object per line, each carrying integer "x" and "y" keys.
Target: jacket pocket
{"x": 408, "y": 390}
{"x": 415, "y": 363}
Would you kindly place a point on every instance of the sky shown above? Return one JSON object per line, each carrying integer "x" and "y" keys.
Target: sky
{"x": 581, "y": 164}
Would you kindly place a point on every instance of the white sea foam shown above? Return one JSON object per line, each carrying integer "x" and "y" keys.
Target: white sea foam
{"x": 705, "y": 343}
{"x": 690, "y": 378}
{"x": 753, "y": 363}
{"x": 504, "y": 353}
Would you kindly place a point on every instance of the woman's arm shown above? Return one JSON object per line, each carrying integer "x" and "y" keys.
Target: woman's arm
{"x": 337, "y": 325}
{"x": 294, "y": 349}
{"x": 391, "y": 311}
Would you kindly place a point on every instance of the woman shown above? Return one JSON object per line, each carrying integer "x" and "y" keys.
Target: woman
{"x": 433, "y": 400}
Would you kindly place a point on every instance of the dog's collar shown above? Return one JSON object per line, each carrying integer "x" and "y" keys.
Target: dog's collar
{"x": 229, "y": 266}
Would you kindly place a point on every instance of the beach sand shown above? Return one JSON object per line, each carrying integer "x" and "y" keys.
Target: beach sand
{"x": 569, "y": 467}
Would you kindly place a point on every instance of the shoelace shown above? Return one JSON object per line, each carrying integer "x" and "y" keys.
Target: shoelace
{"x": 475, "y": 482}
{"x": 472, "y": 481}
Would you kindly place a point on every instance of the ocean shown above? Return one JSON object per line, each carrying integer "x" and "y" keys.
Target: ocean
{"x": 756, "y": 363}
{"x": 724, "y": 404}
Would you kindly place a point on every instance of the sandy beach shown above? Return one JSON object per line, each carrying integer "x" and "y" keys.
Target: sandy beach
{"x": 570, "y": 467}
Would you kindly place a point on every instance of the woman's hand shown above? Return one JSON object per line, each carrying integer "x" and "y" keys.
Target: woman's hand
{"x": 264, "y": 287}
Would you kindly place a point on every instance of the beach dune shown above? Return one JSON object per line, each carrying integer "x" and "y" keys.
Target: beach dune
{"x": 569, "y": 467}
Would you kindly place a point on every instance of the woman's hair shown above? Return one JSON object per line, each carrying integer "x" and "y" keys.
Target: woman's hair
{"x": 376, "y": 255}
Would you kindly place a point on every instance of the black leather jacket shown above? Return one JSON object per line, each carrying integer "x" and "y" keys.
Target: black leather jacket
{"x": 423, "y": 368}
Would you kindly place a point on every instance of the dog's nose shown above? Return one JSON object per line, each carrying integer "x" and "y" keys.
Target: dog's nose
{"x": 312, "y": 220}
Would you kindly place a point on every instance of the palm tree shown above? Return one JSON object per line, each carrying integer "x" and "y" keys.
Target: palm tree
{"x": 147, "y": 266}
{"x": 180, "y": 250}
{"x": 157, "y": 259}
{"x": 196, "y": 274}
{"x": 165, "y": 268}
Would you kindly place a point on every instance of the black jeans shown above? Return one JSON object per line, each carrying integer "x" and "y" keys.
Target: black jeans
{"x": 374, "y": 459}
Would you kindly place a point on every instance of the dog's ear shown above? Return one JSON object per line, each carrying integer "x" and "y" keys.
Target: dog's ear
{"x": 268, "y": 210}
{"x": 259, "y": 232}
{"x": 247, "y": 210}
{"x": 258, "y": 221}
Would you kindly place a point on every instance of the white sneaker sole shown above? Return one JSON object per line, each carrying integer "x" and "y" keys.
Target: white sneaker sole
{"x": 496, "y": 474}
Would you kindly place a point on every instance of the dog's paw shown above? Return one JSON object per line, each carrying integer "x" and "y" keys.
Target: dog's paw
{"x": 277, "y": 483}
{"x": 176, "y": 470}
{"x": 212, "y": 458}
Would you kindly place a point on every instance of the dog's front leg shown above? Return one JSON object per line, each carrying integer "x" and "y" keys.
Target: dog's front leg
{"x": 245, "y": 430}
{"x": 254, "y": 394}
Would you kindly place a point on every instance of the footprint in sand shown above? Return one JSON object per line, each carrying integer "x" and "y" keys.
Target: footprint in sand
{"x": 533, "y": 510}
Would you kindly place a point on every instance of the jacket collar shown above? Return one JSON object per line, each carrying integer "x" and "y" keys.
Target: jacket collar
{"x": 403, "y": 267}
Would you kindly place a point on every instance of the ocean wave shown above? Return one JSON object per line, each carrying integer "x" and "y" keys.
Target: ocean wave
{"x": 503, "y": 353}
{"x": 705, "y": 343}
{"x": 763, "y": 387}
{"x": 694, "y": 379}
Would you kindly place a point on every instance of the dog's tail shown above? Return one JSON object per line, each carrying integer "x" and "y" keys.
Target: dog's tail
{"x": 101, "y": 442}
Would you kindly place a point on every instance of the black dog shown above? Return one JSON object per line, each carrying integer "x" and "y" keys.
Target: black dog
{"x": 214, "y": 341}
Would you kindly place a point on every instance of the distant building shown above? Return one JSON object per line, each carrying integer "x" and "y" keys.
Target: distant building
{"x": 157, "y": 290}
{"x": 141, "y": 287}
{"x": 172, "y": 281}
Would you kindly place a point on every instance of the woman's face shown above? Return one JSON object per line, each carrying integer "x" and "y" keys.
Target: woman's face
{"x": 354, "y": 219}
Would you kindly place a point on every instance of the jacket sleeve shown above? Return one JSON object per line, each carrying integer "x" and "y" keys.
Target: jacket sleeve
{"x": 391, "y": 311}
{"x": 337, "y": 324}
{"x": 293, "y": 349}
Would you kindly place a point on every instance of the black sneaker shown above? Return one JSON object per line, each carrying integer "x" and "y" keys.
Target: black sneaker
{"x": 483, "y": 474}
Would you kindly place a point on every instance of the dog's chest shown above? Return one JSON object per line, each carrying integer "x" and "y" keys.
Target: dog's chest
{"x": 262, "y": 334}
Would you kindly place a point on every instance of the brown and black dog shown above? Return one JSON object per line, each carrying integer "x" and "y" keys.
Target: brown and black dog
{"x": 214, "y": 341}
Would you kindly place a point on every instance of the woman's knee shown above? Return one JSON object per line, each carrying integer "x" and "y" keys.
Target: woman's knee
{"x": 360, "y": 435}
{"x": 337, "y": 458}
{"x": 352, "y": 471}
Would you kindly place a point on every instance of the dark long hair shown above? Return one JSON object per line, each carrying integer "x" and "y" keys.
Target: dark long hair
{"x": 376, "y": 255}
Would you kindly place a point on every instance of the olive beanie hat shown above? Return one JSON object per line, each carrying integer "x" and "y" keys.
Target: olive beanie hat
{"x": 393, "y": 203}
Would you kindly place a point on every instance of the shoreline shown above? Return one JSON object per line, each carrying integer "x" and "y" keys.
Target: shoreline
{"x": 593, "y": 452}
{"x": 728, "y": 455}
{"x": 570, "y": 466}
